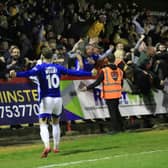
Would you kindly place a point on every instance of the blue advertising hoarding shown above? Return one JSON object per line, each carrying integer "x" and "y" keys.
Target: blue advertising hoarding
{"x": 18, "y": 102}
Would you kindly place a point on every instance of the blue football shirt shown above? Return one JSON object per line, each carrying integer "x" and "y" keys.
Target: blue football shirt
{"x": 49, "y": 76}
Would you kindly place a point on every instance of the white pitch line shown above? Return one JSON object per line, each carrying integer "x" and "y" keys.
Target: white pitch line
{"x": 98, "y": 159}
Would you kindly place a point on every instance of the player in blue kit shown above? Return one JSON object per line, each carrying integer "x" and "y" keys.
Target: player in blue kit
{"x": 49, "y": 75}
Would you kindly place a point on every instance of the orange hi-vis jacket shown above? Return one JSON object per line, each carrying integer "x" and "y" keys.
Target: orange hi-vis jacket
{"x": 112, "y": 83}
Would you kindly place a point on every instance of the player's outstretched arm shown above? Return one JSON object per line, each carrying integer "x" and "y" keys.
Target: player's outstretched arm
{"x": 78, "y": 73}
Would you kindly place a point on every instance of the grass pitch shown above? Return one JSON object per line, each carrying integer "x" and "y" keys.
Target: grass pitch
{"x": 124, "y": 150}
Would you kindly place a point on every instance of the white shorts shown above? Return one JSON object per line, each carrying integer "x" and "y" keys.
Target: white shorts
{"x": 50, "y": 106}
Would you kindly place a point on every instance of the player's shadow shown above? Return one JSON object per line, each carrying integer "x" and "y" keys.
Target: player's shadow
{"x": 71, "y": 152}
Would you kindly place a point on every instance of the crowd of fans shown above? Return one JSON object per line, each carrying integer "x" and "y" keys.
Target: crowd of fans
{"x": 81, "y": 35}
